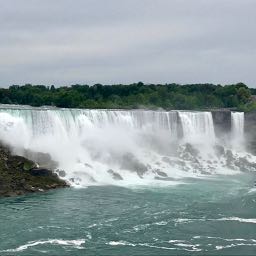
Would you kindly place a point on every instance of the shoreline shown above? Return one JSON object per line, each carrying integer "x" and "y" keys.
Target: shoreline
{"x": 20, "y": 176}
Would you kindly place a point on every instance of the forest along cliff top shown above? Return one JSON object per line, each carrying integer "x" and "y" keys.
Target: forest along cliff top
{"x": 138, "y": 95}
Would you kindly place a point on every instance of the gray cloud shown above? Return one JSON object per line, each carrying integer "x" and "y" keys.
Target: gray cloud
{"x": 111, "y": 41}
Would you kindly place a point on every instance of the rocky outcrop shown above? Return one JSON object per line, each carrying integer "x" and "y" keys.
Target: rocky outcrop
{"x": 222, "y": 122}
{"x": 19, "y": 175}
{"x": 43, "y": 159}
{"x": 131, "y": 163}
{"x": 115, "y": 175}
{"x": 250, "y": 131}
{"x": 222, "y": 127}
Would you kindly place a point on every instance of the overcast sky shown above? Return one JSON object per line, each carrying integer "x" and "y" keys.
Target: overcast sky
{"x": 64, "y": 42}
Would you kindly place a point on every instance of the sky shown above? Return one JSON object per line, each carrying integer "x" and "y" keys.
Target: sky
{"x": 65, "y": 42}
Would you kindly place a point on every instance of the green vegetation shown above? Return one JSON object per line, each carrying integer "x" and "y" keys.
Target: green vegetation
{"x": 138, "y": 95}
{"x": 19, "y": 175}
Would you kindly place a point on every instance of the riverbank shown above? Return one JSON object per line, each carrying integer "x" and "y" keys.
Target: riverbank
{"x": 19, "y": 175}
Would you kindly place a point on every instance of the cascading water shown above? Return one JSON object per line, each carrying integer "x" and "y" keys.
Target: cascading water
{"x": 120, "y": 147}
{"x": 237, "y": 129}
{"x": 197, "y": 125}
{"x": 237, "y": 123}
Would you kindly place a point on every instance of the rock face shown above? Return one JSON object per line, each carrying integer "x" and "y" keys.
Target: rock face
{"x": 250, "y": 131}
{"x": 222, "y": 122}
{"x": 43, "y": 159}
{"x": 222, "y": 126}
{"x": 131, "y": 163}
{"x": 115, "y": 175}
{"x": 19, "y": 175}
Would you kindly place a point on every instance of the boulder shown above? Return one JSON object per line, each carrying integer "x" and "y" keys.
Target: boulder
{"x": 20, "y": 162}
{"x": 115, "y": 175}
{"x": 42, "y": 159}
{"x": 19, "y": 175}
{"x": 161, "y": 173}
{"x": 88, "y": 165}
{"x": 61, "y": 173}
{"x": 219, "y": 150}
{"x": 41, "y": 172}
{"x": 191, "y": 150}
{"x": 131, "y": 163}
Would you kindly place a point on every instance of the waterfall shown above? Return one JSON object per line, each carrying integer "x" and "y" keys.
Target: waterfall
{"x": 237, "y": 123}
{"x": 237, "y": 129}
{"x": 118, "y": 146}
{"x": 197, "y": 125}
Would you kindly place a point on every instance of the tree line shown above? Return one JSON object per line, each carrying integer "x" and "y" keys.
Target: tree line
{"x": 137, "y": 95}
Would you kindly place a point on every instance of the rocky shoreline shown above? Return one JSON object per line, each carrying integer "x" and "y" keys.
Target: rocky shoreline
{"x": 19, "y": 176}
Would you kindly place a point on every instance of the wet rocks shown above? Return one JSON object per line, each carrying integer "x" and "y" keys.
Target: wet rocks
{"x": 250, "y": 131}
{"x": 88, "y": 165}
{"x": 219, "y": 150}
{"x": 19, "y": 175}
{"x": 131, "y": 163}
{"x": 42, "y": 159}
{"x": 230, "y": 159}
{"x": 188, "y": 152}
{"x": 161, "y": 173}
{"x": 191, "y": 150}
{"x": 244, "y": 165}
{"x": 42, "y": 172}
{"x": 20, "y": 162}
{"x": 115, "y": 175}
{"x": 61, "y": 173}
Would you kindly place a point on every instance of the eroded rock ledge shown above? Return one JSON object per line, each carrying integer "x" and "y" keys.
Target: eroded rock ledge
{"x": 19, "y": 175}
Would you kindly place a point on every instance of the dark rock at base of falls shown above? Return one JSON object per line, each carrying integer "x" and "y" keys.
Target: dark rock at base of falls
{"x": 43, "y": 159}
{"x": 172, "y": 162}
{"x": 244, "y": 165}
{"x": 42, "y": 172}
{"x": 115, "y": 175}
{"x": 88, "y": 165}
{"x": 19, "y": 175}
{"x": 131, "y": 163}
{"x": 191, "y": 150}
{"x": 160, "y": 173}
{"x": 219, "y": 150}
{"x": 61, "y": 173}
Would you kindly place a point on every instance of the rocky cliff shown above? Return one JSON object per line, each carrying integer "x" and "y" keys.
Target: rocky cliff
{"x": 222, "y": 122}
{"x": 250, "y": 131}
{"x": 19, "y": 175}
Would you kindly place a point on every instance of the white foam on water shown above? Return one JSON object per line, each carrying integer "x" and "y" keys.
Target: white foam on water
{"x": 221, "y": 247}
{"x": 118, "y": 243}
{"x": 243, "y": 220}
{"x": 77, "y": 244}
{"x": 225, "y": 239}
{"x": 252, "y": 191}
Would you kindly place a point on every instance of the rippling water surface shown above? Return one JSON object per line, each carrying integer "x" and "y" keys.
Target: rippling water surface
{"x": 200, "y": 217}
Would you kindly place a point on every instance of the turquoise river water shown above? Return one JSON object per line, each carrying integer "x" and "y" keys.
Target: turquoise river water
{"x": 216, "y": 216}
